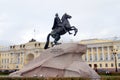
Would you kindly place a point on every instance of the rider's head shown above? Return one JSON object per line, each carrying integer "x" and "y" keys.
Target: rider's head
{"x": 56, "y": 14}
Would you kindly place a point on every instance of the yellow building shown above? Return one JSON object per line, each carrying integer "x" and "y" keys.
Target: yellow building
{"x": 16, "y": 56}
{"x": 99, "y": 54}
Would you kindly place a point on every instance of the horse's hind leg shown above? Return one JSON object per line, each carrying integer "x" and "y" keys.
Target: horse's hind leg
{"x": 57, "y": 37}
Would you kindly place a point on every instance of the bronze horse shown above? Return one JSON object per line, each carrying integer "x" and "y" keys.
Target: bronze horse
{"x": 64, "y": 27}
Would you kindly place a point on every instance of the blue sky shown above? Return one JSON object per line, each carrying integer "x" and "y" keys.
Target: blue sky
{"x": 93, "y": 18}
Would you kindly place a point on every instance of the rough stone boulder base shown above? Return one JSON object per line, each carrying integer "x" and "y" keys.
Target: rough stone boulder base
{"x": 63, "y": 60}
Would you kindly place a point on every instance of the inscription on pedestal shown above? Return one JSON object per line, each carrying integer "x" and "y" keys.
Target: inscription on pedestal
{"x": 57, "y": 50}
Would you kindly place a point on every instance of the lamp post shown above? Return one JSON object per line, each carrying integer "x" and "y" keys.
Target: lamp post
{"x": 114, "y": 53}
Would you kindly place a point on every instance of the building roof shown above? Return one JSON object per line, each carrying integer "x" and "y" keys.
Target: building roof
{"x": 91, "y": 41}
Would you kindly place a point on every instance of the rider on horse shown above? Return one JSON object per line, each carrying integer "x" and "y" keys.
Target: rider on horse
{"x": 57, "y": 22}
{"x": 60, "y": 27}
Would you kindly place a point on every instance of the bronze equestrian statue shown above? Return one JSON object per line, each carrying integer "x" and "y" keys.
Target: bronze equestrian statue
{"x": 60, "y": 27}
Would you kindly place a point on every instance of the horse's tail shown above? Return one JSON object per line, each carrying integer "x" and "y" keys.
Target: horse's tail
{"x": 47, "y": 42}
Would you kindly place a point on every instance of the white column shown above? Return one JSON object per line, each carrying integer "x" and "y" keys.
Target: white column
{"x": 23, "y": 58}
{"x": 103, "y": 53}
{"x": 87, "y": 55}
{"x": 108, "y": 52}
{"x": 97, "y": 54}
{"x": 92, "y": 54}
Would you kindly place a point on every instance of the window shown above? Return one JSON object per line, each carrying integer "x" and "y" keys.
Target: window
{"x": 2, "y": 61}
{"x": 112, "y": 65}
{"x": 39, "y": 44}
{"x": 22, "y": 53}
{"x": 112, "y": 56}
{"x": 101, "y": 58}
{"x": 95, "y": 57}
{"x": 106, "y": 56}
{"x": 20, "y": 46}
{"x": 118, "y": 56}
{"x": 11, "y": 54}
{"x": 23, "y": 46}
{"x": 11, "y": 60}
{"x": 95, "y": 65}
{"x": 106, "y": 65}
{"x": 90, "y": 57}
{"x": 13, "y": 46}
{"x": 85, "y": 57}
{"x": 16, "y": 66}
{"x": 18, "y": 61}
{"x": 7, "y": 60}
{"x": 35, "y": 44}
{"x": 10, "y": 47}
{"x": 90, "y": 65}
{"x": 100, "y": 65}
{"x": 119, "y": 64}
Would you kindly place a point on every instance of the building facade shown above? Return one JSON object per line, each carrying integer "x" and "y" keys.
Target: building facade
{"x": 16, "y": 56}
{"x": 99, "y": 54}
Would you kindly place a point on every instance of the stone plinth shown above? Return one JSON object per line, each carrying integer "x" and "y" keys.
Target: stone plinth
{"x": 63, "y": 60}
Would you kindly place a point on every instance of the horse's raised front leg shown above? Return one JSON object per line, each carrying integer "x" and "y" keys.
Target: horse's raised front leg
{"x": 75, "y": 29}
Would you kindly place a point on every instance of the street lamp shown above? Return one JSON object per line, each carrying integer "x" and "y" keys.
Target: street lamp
{"x": 114, "y": 53}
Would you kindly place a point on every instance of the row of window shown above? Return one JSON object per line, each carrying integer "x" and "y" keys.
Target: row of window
{"x": 101, "y": 65}
{"x": 23, "y": 46}
{"x": 94, "y": 57}
{"x": 12, "y": 54}
{"x": 7, "y": 67}
{"x": 100, "y": 48}
{"x": 16, "y": 60}
{"x": 37, "y": 44}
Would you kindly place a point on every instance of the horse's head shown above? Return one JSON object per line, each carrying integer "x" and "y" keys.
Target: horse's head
{"x": 65, "y": 17}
